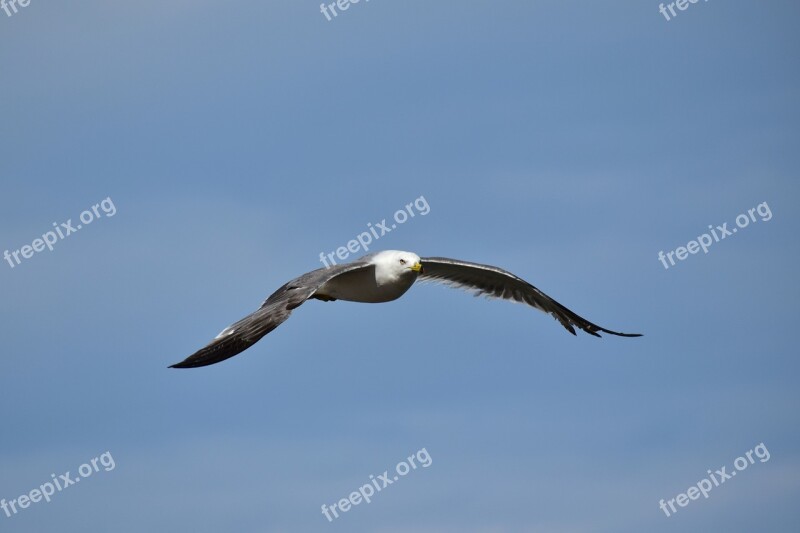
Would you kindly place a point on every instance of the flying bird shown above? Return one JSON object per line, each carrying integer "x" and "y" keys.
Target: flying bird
{"x": 376, "y": 278}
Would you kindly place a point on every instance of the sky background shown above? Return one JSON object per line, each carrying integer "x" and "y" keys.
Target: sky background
{"x": 568, "y": 142}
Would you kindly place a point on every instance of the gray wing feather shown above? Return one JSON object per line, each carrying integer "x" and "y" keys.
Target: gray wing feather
{"x": 273, "y": 312}
{"x": 495, "y": 282}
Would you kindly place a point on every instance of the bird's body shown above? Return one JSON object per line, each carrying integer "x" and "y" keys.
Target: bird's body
{"x": 377, "y": 284}
{"x": 377, "y": 278}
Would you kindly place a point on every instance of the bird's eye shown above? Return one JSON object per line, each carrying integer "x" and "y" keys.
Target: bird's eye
{"x": 402, "y": 261}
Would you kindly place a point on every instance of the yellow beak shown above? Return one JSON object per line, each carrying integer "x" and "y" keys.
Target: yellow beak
{"x": 417, "y": 267}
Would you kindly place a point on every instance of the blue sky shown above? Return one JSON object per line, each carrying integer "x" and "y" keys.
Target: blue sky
{"x": 568, "y": 142}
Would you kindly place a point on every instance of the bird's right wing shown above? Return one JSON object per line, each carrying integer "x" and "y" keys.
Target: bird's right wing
{"x": 273, "y": 312}
{"x": 495, "y": 282}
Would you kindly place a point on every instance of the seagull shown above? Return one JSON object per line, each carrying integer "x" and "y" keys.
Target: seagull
{"x": 376, "y": 278}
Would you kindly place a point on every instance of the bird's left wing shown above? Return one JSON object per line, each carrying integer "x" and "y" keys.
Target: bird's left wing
{"x": 273, "y": 312}
{"x": 495, "y": 282}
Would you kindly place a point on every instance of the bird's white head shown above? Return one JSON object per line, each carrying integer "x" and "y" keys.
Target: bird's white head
{"x": 396, "y": 264}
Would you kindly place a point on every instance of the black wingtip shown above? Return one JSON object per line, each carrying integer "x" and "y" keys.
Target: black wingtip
{"x": 193, "y": 363}
{"x": 618, "y": 334}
